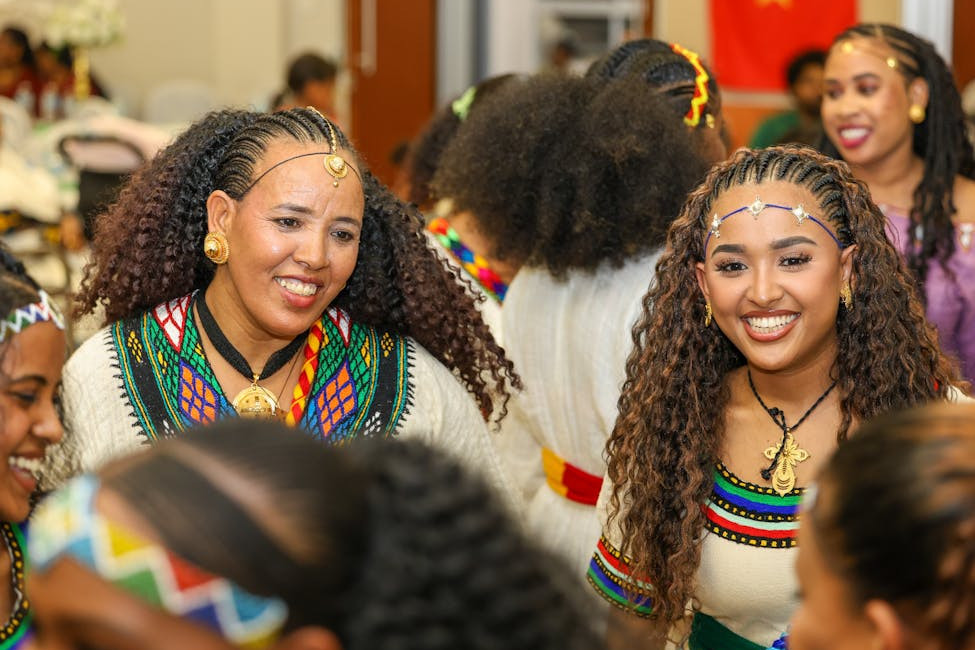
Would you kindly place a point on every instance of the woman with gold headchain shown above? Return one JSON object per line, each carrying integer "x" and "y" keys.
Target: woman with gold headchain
{"x": 256, "y": 267}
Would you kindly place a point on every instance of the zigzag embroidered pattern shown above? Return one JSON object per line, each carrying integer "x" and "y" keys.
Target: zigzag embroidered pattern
{"x": 68, "y": 524}
{"x": 36, "y": 312}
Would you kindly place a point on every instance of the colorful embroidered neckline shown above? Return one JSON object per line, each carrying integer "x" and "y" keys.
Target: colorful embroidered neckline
{"x": 355, "y": 380}
{"x": 751, "y": 514}
{"x": 473, "y": 263}
{"x": 17, "y": 626}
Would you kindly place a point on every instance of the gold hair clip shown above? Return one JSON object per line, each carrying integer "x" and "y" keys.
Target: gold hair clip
{"x": 847, "y": 47}
{"x": 334, "y": 164}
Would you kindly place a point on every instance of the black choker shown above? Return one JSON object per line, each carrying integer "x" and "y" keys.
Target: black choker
{"x": 253, "y": 401}
{"x": 785, "y": 456}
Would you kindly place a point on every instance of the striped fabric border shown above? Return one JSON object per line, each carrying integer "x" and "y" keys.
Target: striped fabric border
{"x": 750, "y": 514}
{"x": 609, "y": 575}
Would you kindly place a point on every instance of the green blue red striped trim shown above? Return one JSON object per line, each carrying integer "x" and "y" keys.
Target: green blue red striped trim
{"x": 609, "y": 574}
{"x": 751, "y": 514}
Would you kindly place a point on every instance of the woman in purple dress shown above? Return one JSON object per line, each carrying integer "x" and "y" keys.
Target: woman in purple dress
{"x": 892, "y": 112}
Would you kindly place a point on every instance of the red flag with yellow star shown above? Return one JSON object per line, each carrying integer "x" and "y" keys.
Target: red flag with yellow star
{"x": 752, "y": 41}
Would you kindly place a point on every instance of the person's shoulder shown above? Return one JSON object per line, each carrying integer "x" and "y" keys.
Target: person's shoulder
{"x": 94, "y": 352}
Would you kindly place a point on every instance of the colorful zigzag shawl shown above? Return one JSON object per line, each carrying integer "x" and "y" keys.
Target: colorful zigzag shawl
{"x": 355, "y": 380}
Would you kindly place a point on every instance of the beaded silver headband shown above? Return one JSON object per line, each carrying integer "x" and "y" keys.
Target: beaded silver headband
{"x": 755, "y": 209}
{"x": 44, "y": 310}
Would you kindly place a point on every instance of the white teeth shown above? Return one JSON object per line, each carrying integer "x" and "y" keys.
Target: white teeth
{"x": 32, "y": 465}
{"x": 853, "y": 134}
{"x": 769, "y": 324}
{"x": 297, "y": 286}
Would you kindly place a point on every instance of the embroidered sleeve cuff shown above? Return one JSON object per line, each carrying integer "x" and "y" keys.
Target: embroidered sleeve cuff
{"x": 610, "y": 575}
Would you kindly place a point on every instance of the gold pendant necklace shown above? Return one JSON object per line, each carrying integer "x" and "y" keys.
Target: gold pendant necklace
{"x": 256, "y": 402}
{"x": 786, "y": 455}
{"x": 791, "y": 454}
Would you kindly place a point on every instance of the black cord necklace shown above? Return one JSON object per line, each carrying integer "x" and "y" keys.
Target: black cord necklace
{"x": 782, "y": 470}
{"x": 253, "y": 401}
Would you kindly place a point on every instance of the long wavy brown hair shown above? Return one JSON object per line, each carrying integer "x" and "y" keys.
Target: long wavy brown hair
{"x": 665, "y": 443}
{"x": 148, "y": 247}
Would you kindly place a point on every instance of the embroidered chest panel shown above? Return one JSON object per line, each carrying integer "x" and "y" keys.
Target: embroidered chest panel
{"x": 750, "y": 514}
{"x": 354, "y": 381}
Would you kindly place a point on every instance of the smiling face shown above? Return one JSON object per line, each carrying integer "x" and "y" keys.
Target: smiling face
{"x": 293, "y": 239}
{"x": 866, "y": 102}
{"x": 31, "y": 376}
{"x": 774, "y": 284}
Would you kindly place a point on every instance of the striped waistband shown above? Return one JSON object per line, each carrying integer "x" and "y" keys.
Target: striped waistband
{"x": 568, "y": 480}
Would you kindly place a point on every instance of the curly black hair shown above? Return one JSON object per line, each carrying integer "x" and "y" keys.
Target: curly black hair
{"x": 148, "y": 246}
{"x": 427, "y": 149}
{"x": 414, "y": 553}
{"x": 940, "y": 141}
{"x": 570, "y": 173}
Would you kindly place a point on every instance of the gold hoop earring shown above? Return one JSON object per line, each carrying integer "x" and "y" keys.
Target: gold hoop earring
{"x": 846, "y": 295}
{"x": 707, "y": 314}
{"x": 917, "y": 113}
{"x": 216, "y": 247}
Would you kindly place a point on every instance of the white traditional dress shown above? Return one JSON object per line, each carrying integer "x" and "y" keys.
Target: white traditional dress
{"x": 569, "y": 341}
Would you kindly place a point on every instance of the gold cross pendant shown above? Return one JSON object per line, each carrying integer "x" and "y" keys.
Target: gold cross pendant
{"x": 784, "y": 474}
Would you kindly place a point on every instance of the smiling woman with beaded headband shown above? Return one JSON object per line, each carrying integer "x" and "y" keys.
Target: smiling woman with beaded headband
{"x": 892, "y": 112}
{"x": 780, "y": 318}
{"x": 32, "y": 350}
{"x": 256, "y": 267}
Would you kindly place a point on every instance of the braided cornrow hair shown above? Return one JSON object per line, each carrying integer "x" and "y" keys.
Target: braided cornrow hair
{"x": 17, "y": 287}
{"x": 940, "y": 141}
{"x": 895, "y": 518}
{"x": 665, "y": 443}
{"x": 660, "y": 66}
{"x": 148, "y": 246}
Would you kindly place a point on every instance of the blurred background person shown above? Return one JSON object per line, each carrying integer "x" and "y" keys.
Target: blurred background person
{"x": 18, "y": 72}
{"x": 802, "y": 124}
{"x": 887, "y": 540}
{"x": 310, "y": 81}
{"x": 386, "y": 546}
{"x": 893, "y": 113}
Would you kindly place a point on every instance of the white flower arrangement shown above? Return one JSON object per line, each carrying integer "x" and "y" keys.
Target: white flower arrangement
{"x": 84, "y": 23}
